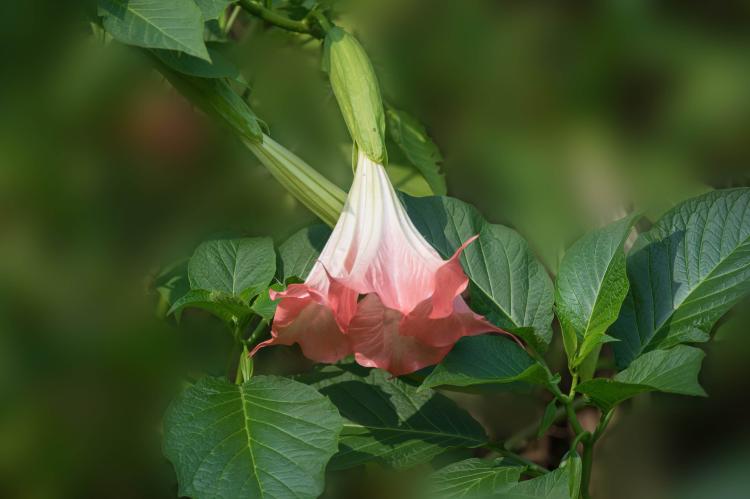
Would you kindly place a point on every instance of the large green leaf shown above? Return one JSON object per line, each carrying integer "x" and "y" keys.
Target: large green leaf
{"x": 237, "y": 267}
{"x": 686, "y": 272}
{"x": 590, "y": 287}
{"x": 673, "y": 371}
{"x": 473, "y": 479}
{"x": 299, "y": 253}
{"x": 161, "y": 24}
{"x": 271, "y": 437}
{"x": 389, "y": 421}
{"x": 508, "y": 284}
{"x": 212, "y": 9}
{"x": 485, "y": 359}
{"x": 421, "y": 151}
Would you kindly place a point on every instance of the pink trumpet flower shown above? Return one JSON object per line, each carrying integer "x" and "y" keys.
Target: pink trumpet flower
{"x": 378, "y": 290}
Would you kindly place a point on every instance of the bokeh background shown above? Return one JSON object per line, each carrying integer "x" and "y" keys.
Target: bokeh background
{"x": 553, "y": 116}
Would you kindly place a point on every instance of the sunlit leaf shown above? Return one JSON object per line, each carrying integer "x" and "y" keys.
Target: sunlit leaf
{"x": 672, "y": 371}
{"x": 508, "y": 284}
{"x": 590, "y": 287}
{"x": 238, "y": 267}
{"x": 270, "y": 437}
{"x": 685, "y": 273}
{"x": 162, "y": 24}
{"x": 473, "y": 479}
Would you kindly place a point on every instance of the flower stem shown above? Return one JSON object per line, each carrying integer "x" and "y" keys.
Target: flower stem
{"x": 271, "y": 16}
{"x": 587, "y": 463}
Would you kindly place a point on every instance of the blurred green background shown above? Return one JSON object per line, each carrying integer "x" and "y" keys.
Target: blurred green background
{"x": 552, "y": 117}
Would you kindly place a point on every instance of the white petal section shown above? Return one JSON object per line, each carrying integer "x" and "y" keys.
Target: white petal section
{"x": 375, "y": 248}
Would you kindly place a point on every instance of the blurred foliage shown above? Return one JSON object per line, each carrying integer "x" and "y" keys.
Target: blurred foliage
{"x": 552, "y": 117}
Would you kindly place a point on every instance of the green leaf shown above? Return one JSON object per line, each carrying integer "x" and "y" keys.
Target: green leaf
{"x": 270, "y": 437}
{"x": 389, "y": 421}
{"x": 216, "y": 98}
{"x": 171, "y": 284}
{"x": 552, "y": 485}
{"x": 473, "y": 478}
{"x": 300, "y": 252}
{"x": 547, "y": 418}
{"x": 212, "y": 9}
{"x": 509, "y": 285}
{"x": 229, "y": 308}
{"x": 672, "y": 371}
{"x": 477, "y": 478}
{"x": 238, "y": 267}
{"x": 574, "y": 466}
{"x": 686, "y": 272}
{"x": 485, "y": 359}
{"x": 219, "y": 67}
{"x": 160, "y": 24}
{"x": 264, "y": 306}
{"x": 411, "y": 137}
{"x": 406, "y": 178}
{"x": 590, "y": 287}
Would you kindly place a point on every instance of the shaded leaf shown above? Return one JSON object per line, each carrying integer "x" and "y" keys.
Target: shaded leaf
{"x": 411, "y": 137}
{"x": 389, "y": 421}
{"x": 238, "y": 267}
{"x": 269, "y": 437}
{"x": 673, "y": 371}
{"x": 485, "y": 359}
{"x": 219, "y": 67}
{"x": 686, "y": 272}
{"x": 212, "y": 9}
{"x": 408, "y": 179}
{"x": 299, "y": 253}
{"x": 590, "y": 287}
{"x": 547, "y": 418}
{"x": 509, "y": 285}
{"x": 161, "y": 24}
{"x": 264, "y": 306}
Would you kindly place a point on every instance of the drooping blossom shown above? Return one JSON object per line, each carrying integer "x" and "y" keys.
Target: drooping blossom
{"x": 378, "y": 289}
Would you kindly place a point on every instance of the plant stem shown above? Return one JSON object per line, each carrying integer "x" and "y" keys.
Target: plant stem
{"x": 273, "y": 17}
{"x": 587, "y": 462}
{"x": 518, "y": 440}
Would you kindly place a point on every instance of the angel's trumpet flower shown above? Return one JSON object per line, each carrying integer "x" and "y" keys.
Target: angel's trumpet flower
{"x": 378, "y": 290}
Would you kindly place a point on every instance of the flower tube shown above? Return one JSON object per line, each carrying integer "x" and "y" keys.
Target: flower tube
{"x": 378, "y": 289}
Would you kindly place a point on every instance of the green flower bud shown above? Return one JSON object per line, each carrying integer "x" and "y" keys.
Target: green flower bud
{"x": 356, "y": 89}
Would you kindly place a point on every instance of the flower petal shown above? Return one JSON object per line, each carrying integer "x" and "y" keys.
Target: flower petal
{"x": 304, "y": 317}
{"x": 375, "y": 339}
{"x": 450, "y": 282}
{"x": 445, "y": 331}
